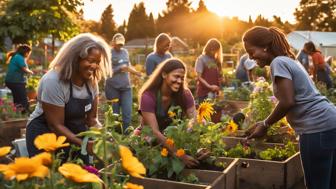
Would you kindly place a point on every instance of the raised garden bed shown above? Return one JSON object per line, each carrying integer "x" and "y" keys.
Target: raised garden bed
{"x": 11, "y": 130}
{"x": 208, "y": 179}
{"x": 256, "y": 173}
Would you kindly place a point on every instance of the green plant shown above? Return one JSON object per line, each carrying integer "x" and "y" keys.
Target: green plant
{"x": 239, "y": 151}
{"x": 278, "y": 153}
{"x": 241, "y": 93}
{"x": 8, "y": 110}
{"x": 32, "y": 83}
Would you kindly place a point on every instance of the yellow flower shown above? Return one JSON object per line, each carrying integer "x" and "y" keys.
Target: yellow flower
{"x": 205, "y": 110}
{"x": 115, "y": 100}
{"x": 49, "y": 143}
{"x": 232, "y": 127}
{"x": 171, "y": 114}
{"x": 130, "y": 163}
{"x": 24, "y": 168}
{"x": 180, "y": 152}
{"x": 77, "y": 174}
{"x": 164, "y": 152}
{"x": 132, "y": 186}
{"x": 170, "y": 142}
{"x": 44, "y": 158}
{"x": 4, "y": 150}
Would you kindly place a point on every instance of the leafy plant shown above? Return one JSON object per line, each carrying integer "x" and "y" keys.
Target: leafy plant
{"x": 8, "y": 110}
{"x": 32, "y": 83}
{"x": 239, "y": 151}
{"x": 278, "y": 153}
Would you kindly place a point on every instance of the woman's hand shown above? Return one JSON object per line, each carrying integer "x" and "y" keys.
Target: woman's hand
{"x": 256, "y": 131}
{"x": 202, "y": 154}
{"x": 189, "y": 161}
{"x": 214, "y": 88}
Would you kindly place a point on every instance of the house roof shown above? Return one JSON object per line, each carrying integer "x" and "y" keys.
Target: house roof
{"x": 321, "y": 39}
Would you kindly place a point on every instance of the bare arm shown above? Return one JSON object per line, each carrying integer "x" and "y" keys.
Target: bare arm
{"x": 27, "y": 70}
{"x": 132, "y": 70}
{"x": 55, "y": 119}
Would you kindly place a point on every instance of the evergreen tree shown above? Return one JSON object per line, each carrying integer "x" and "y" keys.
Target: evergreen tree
{"x": 108, "y": 26}
{"x": 122, "y": 28}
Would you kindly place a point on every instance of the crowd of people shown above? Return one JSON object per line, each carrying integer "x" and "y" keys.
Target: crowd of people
{"x": 67, "y": 99}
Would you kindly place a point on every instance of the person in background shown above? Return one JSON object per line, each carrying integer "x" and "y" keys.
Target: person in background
{"x": 303, "y": 58}
{"x": 321, "y": 72}
{"x": 310, "y": 114}
{"x": 208, "y": 67}
{"x": 164, "y": 88}
{"x": 119, "y": 85}
{"x": 67, "y": 98}
{"x": 16, "y": 79}
{"x": 244, "y": 71}
{"x": 161, "y": 52}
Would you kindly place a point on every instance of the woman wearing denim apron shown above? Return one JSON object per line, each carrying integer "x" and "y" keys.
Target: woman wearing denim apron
{"x": 311, "y": 115}
{"x": 68, "y": 93}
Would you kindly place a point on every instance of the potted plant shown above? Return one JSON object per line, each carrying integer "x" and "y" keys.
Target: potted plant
{"x": 32, "y": 84}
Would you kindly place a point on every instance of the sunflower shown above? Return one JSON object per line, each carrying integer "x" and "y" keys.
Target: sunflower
{"x": 205, "y": 110}
{"x": 77, "y": 174}
{"x": 170, "y": 142}
{"x": 49, "y": 142}
{"x": 231, "y": 127}
{"x": 180, "y": 152}
{"x": 164, "y": 152}
{"x": 4, "y": 150}
{"x": 130, "y": 163}
{"x": 23, "y": 168}
{"x": 132, "y": 186}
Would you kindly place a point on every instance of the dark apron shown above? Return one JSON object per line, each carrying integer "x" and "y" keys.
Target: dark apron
{"x": 74, "y": 119}
{"x": 161, "y": 115}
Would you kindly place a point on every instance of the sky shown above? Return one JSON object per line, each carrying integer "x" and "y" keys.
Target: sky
{"x": 240, "y": 8}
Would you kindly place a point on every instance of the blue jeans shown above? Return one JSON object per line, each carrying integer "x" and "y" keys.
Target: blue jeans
{"x": 19, "y": 95}
{"x": 318, "y": 155}
{"x": 125, "y": 103}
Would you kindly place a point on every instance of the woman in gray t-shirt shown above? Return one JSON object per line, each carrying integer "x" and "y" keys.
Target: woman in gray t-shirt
{"x": 310, "y": 114}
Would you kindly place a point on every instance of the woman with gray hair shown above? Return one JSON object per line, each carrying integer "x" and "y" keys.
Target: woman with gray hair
{"x": 68, "y": 93}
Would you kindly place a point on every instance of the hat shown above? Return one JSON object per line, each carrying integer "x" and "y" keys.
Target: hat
{"x": 118, "y": 39}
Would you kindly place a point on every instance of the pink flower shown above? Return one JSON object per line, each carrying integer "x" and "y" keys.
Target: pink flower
{"x": 91, "y": 169}
{"x": 1, "y": 102}
{"x": 137, "y": 132}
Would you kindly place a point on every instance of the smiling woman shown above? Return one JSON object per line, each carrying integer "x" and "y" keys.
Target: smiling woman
{"x": 68, "y": 93}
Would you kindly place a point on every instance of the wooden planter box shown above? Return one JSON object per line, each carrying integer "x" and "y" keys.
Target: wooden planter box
{"x": 264, "y": 174}
{"x": 11, "y": 130}
{"x": 209, "y": 179}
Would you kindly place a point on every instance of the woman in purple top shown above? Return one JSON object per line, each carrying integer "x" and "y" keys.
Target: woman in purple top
{"x": 209, "y": 68}
{"x": 165, "y": 87}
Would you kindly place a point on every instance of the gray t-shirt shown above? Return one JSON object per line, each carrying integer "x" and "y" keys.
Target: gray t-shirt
{"x": 312, "y": 112}
{"x": 53, "y": 91}
{"x": 153, "y": 60}
{"x": 119, "y": 79}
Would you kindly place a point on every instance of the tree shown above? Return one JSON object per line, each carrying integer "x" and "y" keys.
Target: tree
{"x": 176, "y": 18}
{"x": 140, "y": 25}
{"x": 122, "y": 29}
{"x": 31, "y": 20}
{"x": 108, "y": 26}
{"x": 316, "y": 15}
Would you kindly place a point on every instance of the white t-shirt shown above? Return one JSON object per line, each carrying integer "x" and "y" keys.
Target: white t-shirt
{"x": 53, "y": 91}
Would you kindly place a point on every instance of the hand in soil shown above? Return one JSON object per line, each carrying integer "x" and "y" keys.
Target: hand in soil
{"x": 189, "y": 161}
{"x": 202, "y": 154}
{"x": 256, "y": 131}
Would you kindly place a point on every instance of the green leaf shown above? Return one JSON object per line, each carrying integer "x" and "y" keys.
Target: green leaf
{"x": 178, "y": 166}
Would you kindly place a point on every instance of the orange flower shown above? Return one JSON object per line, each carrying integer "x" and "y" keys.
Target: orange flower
{"x": 77, "y": 174}
{"x": 49, "y": 142}
{"x": 164, "y": 152}
{"x": 4, "y": 150}
{"x": 44, "y": 158}
{"x": 132, "y": 186}
{"x": 130, "y": 163}
{"x": 24, "y": 168}
{"x": 170, "y": 142}
{"x": 171, "y": 114}
{"x": 180, "y": 152}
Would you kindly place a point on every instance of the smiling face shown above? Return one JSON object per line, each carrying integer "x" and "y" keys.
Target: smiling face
{"x": 259, "y": 54}
{"x": 174, "y": 79}
{"x": 90, "y": 64}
